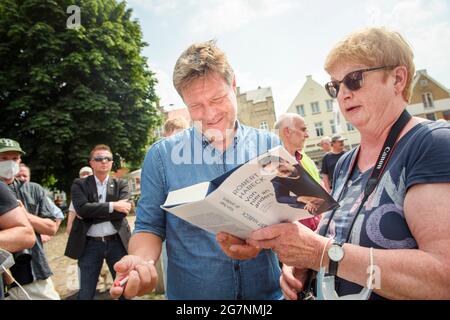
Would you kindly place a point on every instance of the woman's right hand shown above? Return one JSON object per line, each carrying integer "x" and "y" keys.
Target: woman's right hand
{"x": 292, "y": 281}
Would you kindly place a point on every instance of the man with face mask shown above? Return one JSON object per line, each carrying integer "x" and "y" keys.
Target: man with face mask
{"x": 31, "y": 269}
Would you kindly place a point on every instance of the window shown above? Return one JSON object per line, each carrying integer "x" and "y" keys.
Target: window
{"x": 350, "y": 127}
{"x": 424, "y": 82}
{"x": 301, "y": 110}
{"x": 427, "y": 99}
{"x": 315, "y": 107}
{"x": 263, "y": 125}
{"x": 319, "y": 129}
{"x": 333, "y": 127}
{"x": 330, "y": 105}
{"x": 431, "y": 116}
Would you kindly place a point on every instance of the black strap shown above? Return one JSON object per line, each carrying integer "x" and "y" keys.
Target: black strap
{"x": 378, "y": 170}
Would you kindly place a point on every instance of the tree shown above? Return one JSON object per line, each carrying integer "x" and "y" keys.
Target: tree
{"x": 63, "y": 90}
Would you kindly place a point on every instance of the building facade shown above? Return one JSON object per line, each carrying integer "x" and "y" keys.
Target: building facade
{"x": 256, "y": 108}
{"x": 430, "y": 99}
{"x": 322, "y": 117}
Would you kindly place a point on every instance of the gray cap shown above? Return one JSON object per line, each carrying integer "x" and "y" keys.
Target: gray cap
{"x": 337, "y": 137}
{"x": 86, "y": 169}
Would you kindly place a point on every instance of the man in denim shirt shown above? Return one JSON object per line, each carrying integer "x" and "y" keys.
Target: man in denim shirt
{"x": 200, "y": 266}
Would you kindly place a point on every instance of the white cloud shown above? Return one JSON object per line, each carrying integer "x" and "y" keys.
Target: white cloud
{"x": 219, "y": 16}
{"x": 424, "y": 24}
{"x": 158, "y": 7}
{"x": 164, "y": 88}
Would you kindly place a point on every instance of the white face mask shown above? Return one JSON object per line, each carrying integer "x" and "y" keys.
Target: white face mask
{"x": 326, "y": 291}
{"x": 9, "y": 169}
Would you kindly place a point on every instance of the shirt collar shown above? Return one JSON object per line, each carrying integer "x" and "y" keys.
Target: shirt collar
{"x": 237, "y": 136}
{"x": 298, "y": 155}
{"x": 99, "y": 183}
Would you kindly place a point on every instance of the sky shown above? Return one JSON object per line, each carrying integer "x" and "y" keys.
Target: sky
{"x": 277, "y": 43}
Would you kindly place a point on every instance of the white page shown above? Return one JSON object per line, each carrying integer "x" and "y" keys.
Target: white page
{"x": 189, "y": 194}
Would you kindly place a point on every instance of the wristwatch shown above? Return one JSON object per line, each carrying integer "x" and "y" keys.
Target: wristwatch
{"x": 336, "y": 254}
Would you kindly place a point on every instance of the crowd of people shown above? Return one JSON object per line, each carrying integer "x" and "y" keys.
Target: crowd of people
{"x": 388, "y": 237}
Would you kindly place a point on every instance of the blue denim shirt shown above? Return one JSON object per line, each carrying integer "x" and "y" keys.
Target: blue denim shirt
{"x": 197, "y": 267}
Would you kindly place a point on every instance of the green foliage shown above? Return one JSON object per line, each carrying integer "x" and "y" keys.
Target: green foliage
{"x": 64, "y": 90}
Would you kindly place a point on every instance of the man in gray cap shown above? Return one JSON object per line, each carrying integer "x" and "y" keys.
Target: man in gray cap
{"x": 31, "y": 269}
{"x": 330, "y": 159}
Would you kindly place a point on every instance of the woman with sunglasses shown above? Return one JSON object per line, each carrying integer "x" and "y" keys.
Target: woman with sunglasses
{"x": 392, "y": 227}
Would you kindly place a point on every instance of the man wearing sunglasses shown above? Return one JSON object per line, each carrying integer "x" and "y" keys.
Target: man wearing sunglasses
{"x": 100, "y": 230}
{"x": 393, "y": 189}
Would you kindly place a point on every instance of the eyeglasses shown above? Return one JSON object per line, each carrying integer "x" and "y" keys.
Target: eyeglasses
{"x": 353, "y": 81}
{"x": 101, "y": 159}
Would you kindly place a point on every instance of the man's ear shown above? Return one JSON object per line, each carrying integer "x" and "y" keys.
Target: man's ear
{"x": 286, "y": 131}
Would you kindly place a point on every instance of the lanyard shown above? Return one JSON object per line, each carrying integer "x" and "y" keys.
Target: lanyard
{"x": 378, "y": 170}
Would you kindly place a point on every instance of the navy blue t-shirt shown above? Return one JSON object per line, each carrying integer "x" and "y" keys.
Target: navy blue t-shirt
{"x": 7, "y": 203}
{"x": 421, "y": 156}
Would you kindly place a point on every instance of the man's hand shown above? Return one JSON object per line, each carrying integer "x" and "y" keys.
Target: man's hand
{"x": 122, "y": 206}
{"x": 142, "y": 277}
{"x": 236, "y": 248}
{"x": 292, "y": 280}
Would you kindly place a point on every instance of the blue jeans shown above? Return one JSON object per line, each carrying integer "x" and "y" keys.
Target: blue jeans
{"x": 91, "y": 261}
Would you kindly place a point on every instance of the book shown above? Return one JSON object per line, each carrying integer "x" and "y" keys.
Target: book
{"x": 6, "y": 261}
{"x": 269, "y": 189}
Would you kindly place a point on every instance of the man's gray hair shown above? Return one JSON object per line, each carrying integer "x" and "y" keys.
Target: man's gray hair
{"x": 286, "y": 120}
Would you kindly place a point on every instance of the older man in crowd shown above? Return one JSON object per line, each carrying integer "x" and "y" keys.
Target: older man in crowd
{"x": 24, "y": 175}
{"x": 293, "y": 132}
{"x": 330, "y": 160}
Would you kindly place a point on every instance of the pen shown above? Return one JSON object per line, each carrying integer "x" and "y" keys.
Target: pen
{"x": 121, "y": 282}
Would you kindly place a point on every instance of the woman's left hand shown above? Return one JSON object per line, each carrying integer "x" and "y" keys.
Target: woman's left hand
{"x": 294, "y": 244}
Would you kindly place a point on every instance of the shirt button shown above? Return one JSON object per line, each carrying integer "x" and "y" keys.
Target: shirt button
{"x": 236, "y": 267}
{"x": 239, "y": 296}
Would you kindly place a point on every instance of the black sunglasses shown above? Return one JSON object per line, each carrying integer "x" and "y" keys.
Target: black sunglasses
{"x": 100, "y": 159}
{"x": 353, "y": 81}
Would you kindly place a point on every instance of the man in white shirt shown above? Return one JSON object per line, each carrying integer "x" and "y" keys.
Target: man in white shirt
{"x": 100, "y": 230}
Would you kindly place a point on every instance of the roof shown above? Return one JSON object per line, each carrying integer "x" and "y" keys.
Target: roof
{"x": 425, "y": 73}
{"x": 258, "y": 95}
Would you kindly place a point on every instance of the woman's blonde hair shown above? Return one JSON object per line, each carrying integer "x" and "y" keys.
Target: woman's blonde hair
{"x": 375, "y": 47}
{"x": 199, "y": 60}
